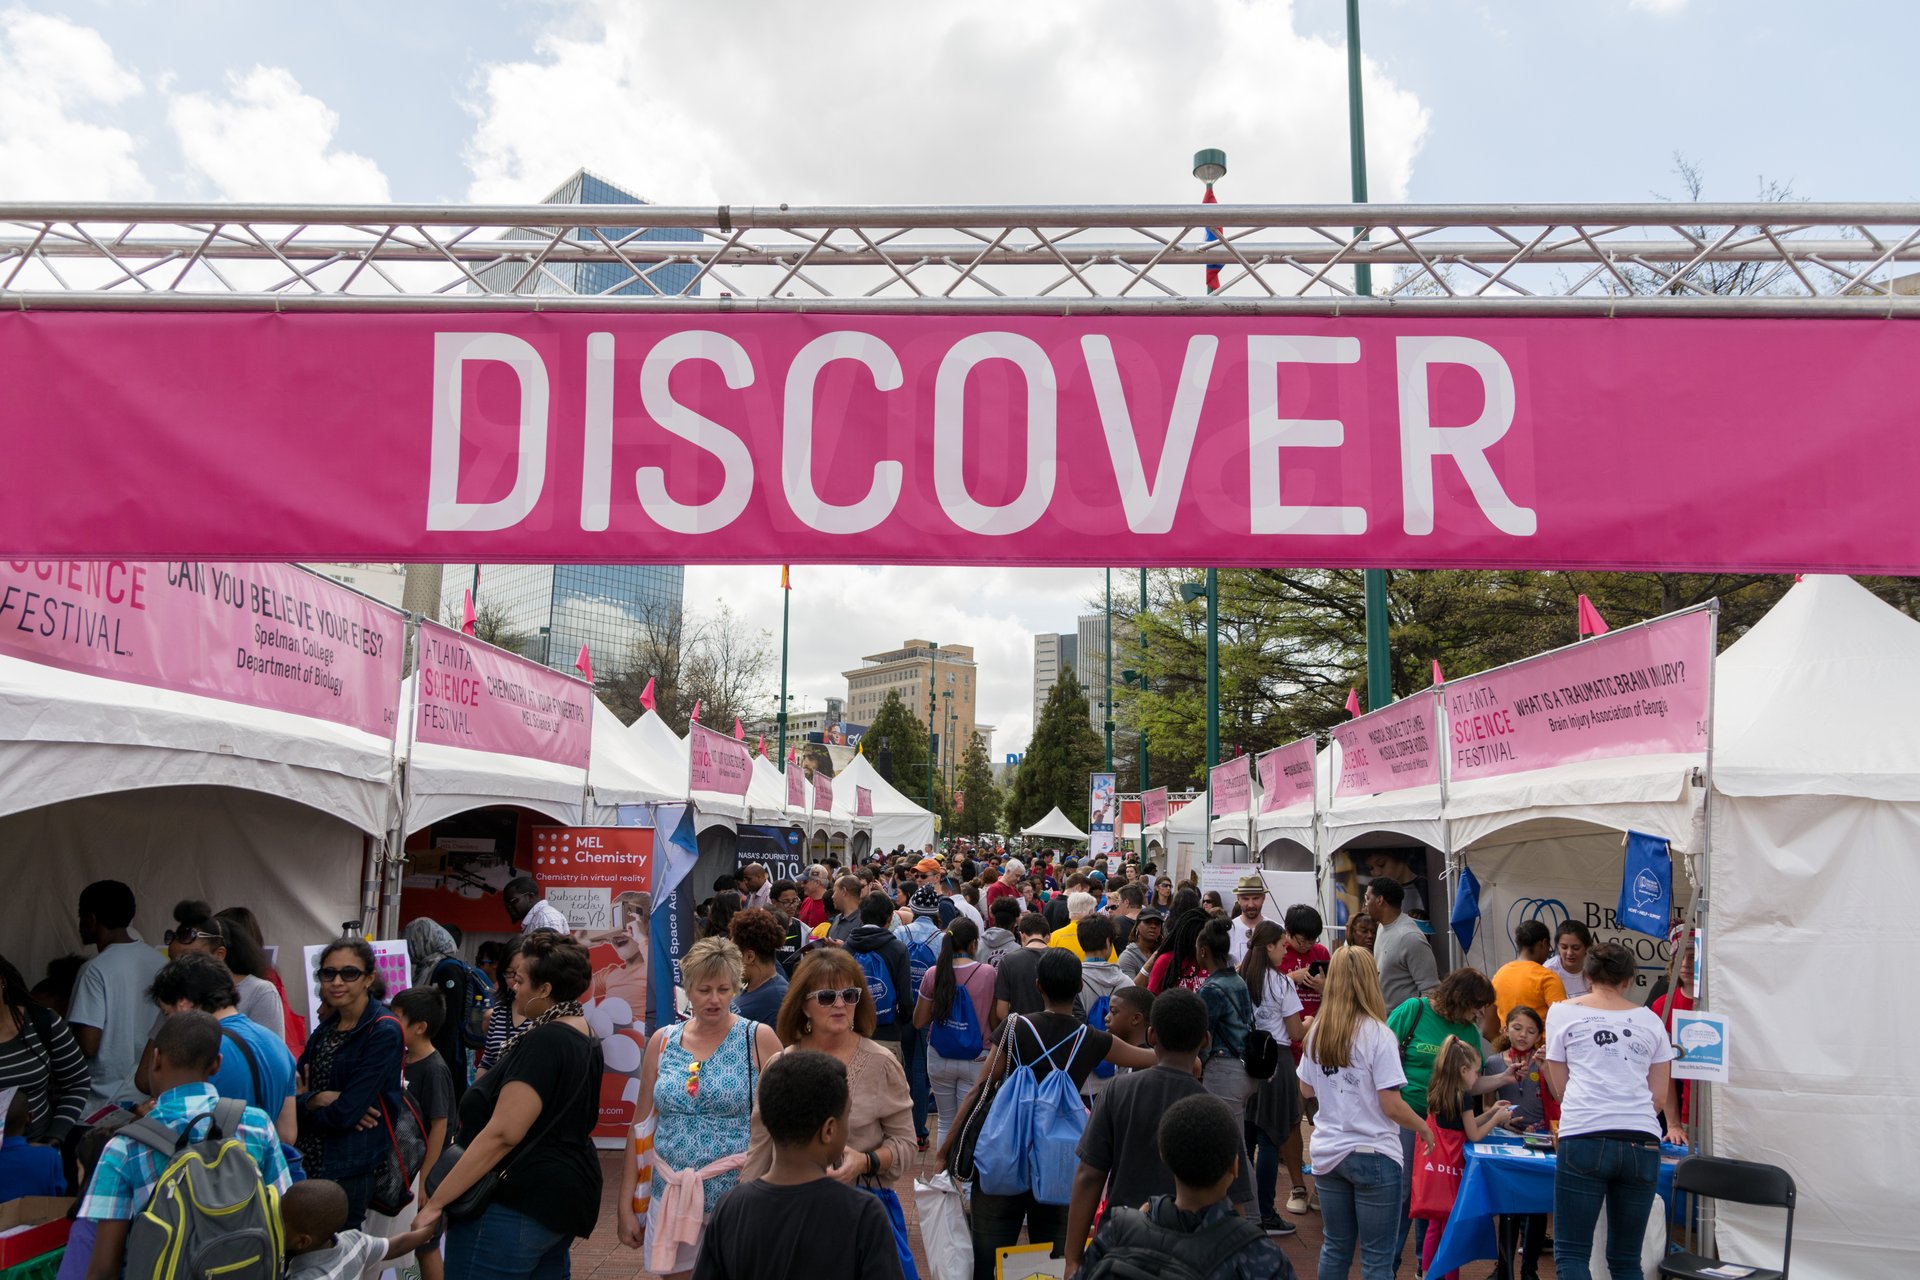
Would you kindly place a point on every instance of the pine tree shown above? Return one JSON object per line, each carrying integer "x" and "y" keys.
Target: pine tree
{"x": 1063, "y": 755}
{"x": 981, "y": 808}
{"x": 895, "y": 744}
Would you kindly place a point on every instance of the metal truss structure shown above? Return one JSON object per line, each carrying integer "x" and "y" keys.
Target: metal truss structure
{"x": 1650, "y": 259}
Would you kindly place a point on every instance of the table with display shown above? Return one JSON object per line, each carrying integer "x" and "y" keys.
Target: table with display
{"x": 1504, "y": 1176}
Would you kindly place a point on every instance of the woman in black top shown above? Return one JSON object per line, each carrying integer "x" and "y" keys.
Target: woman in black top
{"x": 39, "y": 1057}
{"x": 528, "y": 1125}
{"x": 350, "y": 1066}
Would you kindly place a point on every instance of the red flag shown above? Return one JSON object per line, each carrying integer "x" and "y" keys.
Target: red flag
{"x": 763, "y": 746}
{"x": 1591, "y": 623}
{"x": 695, "y": 717}
{"x": 1438, "y": 678}
{"x": 584, "y": 664}
{"x": 646, "y": 695}
{"x": 466, "y": 615}
{"x": 793, "y": 755}
{"x": 1213, "y": 236}
{"x": 1353, "y": 702}
{"x": 739, "y": 730}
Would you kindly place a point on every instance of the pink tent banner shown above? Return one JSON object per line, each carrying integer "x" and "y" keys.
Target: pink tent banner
{"x": 266, "y": 635}
{"x": 1153, "y": 807}
{"x": 971, "y": 438}
{"x": 1635, "y": 691}
{"x": 796, "y": 786}
{"x": 862, "y": 802}
{"x": 822, "y": 792}
{"x": 1229, "y": 787}
{"x": 1286, "y": 776}
{"x": 716, "y": 762}
{"x": 475, "y": 696}
{"x": 1391, "y": 749}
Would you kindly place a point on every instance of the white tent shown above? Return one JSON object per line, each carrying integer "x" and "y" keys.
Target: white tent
{"x": 443, "y": 781}
{"x": 1816, "y": 817}
{"x": 180, "y": 796}
{"x": 896, "y": 820}
{"x": 623, "y": 772}
{"x": 661, "y": 754}
{"x": 1055, "y": 826}
{"x": 1185, "y": 832}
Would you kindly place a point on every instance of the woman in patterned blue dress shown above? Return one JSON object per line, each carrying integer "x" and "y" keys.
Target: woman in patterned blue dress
{"x": 697, "y": 1088}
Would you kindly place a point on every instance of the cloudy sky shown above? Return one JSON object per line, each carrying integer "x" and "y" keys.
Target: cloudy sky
{"x": 760, "y": 101}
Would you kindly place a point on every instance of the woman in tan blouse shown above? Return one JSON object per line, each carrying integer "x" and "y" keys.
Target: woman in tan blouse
{"x": 829, "y": 1008}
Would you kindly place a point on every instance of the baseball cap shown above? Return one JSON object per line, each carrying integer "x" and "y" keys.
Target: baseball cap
{"x": 928, "y": 864}
{"x": 1153, "y": 913}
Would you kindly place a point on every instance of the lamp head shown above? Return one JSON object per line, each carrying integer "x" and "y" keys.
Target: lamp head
{"x": 1210, "y": 165}
{"x": 1191, "y": 591}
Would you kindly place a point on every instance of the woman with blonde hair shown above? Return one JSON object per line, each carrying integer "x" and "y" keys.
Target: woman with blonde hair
{"x": 1352, "y": 1065}
{"x": 697, "y": 1087}
{"x": 828, "y": 1008}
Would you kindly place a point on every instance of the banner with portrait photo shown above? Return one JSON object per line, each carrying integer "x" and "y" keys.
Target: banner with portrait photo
{"x": 1103, "y": 814}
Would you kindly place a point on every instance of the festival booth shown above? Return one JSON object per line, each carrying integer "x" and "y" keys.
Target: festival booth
{"x": 623, "y": 774}
{"x": 1232, "y": 799}
{"x": 891, "y": 818}
{"x": 1055, "y": 826}
{"x": 1815, "y": 819}
{"x": 1185, "y": 836}
{"x": 225, "y": 733}
{"x": 1382, "y": 811}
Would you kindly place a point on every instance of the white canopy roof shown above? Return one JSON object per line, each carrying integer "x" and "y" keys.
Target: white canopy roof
{"x": 623, "y": 771}
{"x": 896, "y": 819}
{"x": 1055, "y": 826}
{"x": 663, "y": 757}
{"x": 443, "y": 781}
{"x": 68, "y": 735}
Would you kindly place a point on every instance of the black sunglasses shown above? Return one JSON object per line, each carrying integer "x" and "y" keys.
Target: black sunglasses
{"x": 352, "y": 973}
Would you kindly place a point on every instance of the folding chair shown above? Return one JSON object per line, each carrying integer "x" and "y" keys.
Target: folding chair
{"x": 1743, "y": 1182}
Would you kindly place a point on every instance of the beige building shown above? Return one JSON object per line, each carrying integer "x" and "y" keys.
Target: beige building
{"x": 914, "y": 669}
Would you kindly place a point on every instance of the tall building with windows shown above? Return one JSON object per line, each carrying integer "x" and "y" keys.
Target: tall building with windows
{"x": 1092, "y": 667}
{"x": 912, "y": 669}
{"x": 1053, "y": 652}
{"x": 586, "y": 187}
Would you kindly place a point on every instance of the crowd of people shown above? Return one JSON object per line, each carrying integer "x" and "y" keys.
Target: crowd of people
{"x": 1110, "y": 1065}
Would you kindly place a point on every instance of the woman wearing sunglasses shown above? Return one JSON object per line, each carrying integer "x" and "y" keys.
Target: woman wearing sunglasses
{"x": 697, "y": 1085}
{"x": 351, "y": 1066}
{"x": 829, "y": 1008}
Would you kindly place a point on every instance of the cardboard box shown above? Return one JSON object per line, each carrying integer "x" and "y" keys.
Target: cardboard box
{"x": 46, "y": 1226}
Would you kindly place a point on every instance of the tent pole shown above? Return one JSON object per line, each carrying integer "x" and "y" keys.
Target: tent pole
{"x": 385, "y": 918}
{"x": 1702, "y": 1136}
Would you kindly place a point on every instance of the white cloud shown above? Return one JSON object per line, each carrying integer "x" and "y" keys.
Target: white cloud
{"x": 55, "y": 78}
{"x": 1658, "y": 6}
{"x": 873, "y": 102}
{"x": 266, "y": 140}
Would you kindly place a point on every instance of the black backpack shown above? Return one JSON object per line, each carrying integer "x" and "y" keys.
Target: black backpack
{"x": 1134, "y": 1247}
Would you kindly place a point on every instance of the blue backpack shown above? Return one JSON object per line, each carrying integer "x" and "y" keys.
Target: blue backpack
{"x": 1059, "y": 1118}
{"x": 921, "y": 954}
{"x": 1003, "y": 1163}
{"x": 1097, "y": 1020}
{"x": 958, "y": 1036}
{"x": 880, "y": 984}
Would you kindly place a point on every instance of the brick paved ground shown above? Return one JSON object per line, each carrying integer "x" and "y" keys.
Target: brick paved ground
{"x": 603, "y": 1258}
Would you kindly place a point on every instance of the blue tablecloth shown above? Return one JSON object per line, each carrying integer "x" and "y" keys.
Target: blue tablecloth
{"x": 1512, "y": 1181}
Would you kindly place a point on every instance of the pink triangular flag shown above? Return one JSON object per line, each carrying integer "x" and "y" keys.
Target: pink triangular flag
{"x": 695, "y": 717}
{"x": 467, "y": 618}
{"x": 1353, "y": 702}
{"x": 1591, "y": 623}
{"x": 763, "y": 746}
{"x": 739, "y": 730}
{"x": 584, "y": 664}
{"x": 1438, "y": 676}
{"x": 646, "y": 695}
{"x": 793, "y": 755}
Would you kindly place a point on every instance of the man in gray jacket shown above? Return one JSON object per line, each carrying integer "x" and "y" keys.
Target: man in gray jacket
{"x": 1400, "y": 949}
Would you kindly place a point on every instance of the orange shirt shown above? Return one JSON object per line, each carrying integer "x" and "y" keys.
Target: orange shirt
{"x": 1526, "y": 982}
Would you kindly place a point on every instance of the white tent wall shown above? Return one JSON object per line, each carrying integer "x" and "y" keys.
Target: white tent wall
{"x": 298, "y": 870}
{"x": 896, "y": 819}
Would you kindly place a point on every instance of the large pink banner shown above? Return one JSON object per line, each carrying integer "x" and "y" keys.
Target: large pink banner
{"x": 268, "y": 635}
{"x": 822, "y": 792}
{"x": 1229, "y": 788}
{"x": 1286, "y": 776}
{"x": 1153, "y": 807}
{"x": 862, "y": 802}
{"x": 1639, "y": 691}
{"x": 716, "y": 762}
{"x": 796, "y": 787}
{"x": 475, "y": 696}
{"x": 1526, "y": 441}
{"x": 1390, "y": 749}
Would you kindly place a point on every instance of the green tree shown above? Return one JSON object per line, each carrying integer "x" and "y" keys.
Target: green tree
{"x": 981, "y": 808}
{"x": 1064, "y": 753}
{"x": 895, "y": 743}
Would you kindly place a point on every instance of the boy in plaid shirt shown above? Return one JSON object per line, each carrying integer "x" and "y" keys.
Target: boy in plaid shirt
{"x": 186, "y": 1053}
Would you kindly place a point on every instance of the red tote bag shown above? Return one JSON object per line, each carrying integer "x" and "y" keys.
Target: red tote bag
{"x": 1436, "y": 1172}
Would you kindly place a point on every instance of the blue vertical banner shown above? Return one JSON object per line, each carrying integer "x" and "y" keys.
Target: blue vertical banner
{"x": 1465, "y": 916}
{"x": 1646, "y": 886}
{"x": 670, "y": 929}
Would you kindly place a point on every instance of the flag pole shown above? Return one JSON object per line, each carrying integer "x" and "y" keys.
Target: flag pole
{"x": 786, "y": 606}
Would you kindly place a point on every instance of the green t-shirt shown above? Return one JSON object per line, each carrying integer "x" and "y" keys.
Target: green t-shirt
{"x": 1418, "y": 1051}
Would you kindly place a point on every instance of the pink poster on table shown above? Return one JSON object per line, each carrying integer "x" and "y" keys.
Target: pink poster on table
{"x": 1636, "y": 691}
{"x": 1527, "y": 441}
{"x": 475, "y": 696}
{"x": 822, "y": 792}
{"x": 1153, "y": 807}
{"x": 267, "y": 635}
{"x": 716, "y": 762}
{"x": 796, "y": 786}
{"x": 1229, "y": 787}
{"x": 1286, "y": 776}
{"x": 862, "y": 802}
{"x": 1390, "y": 749}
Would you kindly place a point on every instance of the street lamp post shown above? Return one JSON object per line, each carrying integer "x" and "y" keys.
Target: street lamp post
{"x": 1191, "y": 591}
{"x": 1108, "y": 705}
{"x": 933, "y": 702}
{"x": 1141, "y": 625}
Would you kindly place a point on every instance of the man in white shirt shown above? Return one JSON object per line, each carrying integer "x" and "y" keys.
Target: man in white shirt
{"x": 111, "y": 1010}
{"x": 1251, "y": 895}
{"x": 529, "y": 910}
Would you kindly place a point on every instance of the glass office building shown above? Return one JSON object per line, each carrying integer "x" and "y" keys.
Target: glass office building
{"x": 612, "y": 278}
{"x": 554, "y": 609}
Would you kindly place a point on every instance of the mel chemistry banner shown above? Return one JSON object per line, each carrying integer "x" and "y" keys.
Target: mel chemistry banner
{"x": 1528, "y": 441}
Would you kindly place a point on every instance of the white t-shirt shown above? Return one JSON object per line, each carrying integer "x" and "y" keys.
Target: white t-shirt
{"x": 1575, "y": 983}
{"x": 1350, "y": 1118}
{"x": 1280, "y": 1000}
{"x": 111, "y": 995}
{"x": 1239, "y": 934}
{"x": 545, "y": 915}
{"x": 967, "y": 909}
{"x": 261, "y": 1003}
{"x": 1608, "y": 1053}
